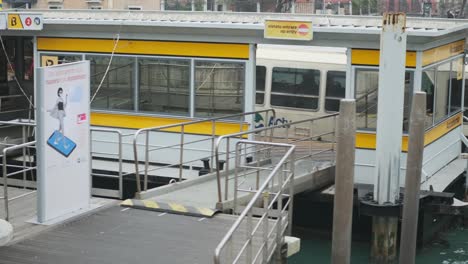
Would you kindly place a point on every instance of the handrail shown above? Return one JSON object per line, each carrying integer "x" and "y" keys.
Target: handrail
{"x": 5, "y": 176}
{"x": 263, "y": 191}
{"x": 255, "y": 131}
{"x": 119, "y": 154}
{"x": 182, "y": 134}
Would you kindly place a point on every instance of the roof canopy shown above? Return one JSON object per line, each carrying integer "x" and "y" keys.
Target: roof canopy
{"x": 340, "y": 31}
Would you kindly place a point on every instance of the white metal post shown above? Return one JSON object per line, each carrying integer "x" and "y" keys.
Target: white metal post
{"x": 390, "y": 107}
{"x": 389, "y": 134}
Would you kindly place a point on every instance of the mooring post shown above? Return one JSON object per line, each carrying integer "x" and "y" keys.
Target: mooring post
{"x": 344, "y": 183}
{"x": 413, "y": 179}
{"x": 389, "y": 134}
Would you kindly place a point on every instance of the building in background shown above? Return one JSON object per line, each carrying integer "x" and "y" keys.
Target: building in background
{"x": 426, "y": 8}
{"x": 83, "y": 4}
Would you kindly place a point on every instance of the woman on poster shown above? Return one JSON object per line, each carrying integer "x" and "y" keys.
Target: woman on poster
{"x": 58, "y": 112}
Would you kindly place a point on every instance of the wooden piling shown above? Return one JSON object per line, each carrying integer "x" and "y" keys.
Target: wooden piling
{"x": 344, "y": 183}
{"x": 413, "y": 179}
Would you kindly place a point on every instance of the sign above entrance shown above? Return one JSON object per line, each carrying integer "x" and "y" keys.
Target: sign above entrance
{"x": 25, "y": 21}
{"x": 284, "y": 29}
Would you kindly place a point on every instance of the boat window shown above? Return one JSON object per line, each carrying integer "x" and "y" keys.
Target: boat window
{"x": 164, "y": 86}
{"x": 219, "y": 88}
{"x": 335, "y": 90}
{"x": 260, "y": 85}
{"x": 116, "y": 91}
{"x": 298, "y": 88}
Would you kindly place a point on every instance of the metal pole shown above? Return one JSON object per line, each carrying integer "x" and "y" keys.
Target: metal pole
{"x": 390, "y": 112}
{"x": 389, "y": 134}
{"x": 213, "y": 135}
{"x": 5, "y": 184}
{"x": 120, "y": 166}
{"x": 24, "y": 140}
{"x": 181, "y": 152}
{"x": 145, "y": 185}
{"x": 266, "y": 201}
{"x": 413, "y": 179}
{"x": 344, "y": 183}
{"x": 226, "y": 171}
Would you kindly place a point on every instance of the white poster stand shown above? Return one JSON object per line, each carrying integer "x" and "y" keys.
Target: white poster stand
{"x": 63, "y": 141}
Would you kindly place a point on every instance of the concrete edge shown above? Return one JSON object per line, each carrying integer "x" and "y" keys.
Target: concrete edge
{"x": 293, "y": 245}
{"x": 6, "y": 232}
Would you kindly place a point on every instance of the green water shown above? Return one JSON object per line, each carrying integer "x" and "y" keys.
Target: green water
{"x": 450, "y": 248}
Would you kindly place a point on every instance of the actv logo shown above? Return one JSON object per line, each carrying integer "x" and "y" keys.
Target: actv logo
{"x": 303, "y": 29}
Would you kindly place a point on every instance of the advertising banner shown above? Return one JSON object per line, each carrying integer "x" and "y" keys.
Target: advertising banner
{"x": 63, "y": 139}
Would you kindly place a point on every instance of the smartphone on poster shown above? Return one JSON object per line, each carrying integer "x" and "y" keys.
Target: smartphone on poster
{"x": 61, "y": 143}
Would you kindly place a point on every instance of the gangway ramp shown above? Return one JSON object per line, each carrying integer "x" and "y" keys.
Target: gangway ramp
{"x": 203, "y": 193}
{"x": 314, "y": 167}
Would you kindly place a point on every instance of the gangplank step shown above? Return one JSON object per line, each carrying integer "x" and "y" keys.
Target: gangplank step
{"x": 168, "y": 207}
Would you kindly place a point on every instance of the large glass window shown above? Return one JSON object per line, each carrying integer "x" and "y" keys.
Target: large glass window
{"x": 442, "y": 91}
{"x": 367, "y": 82}
{"x": 116, "y": 91}
{"x": 164, "y": 86}
{"x": 260, "y": 85}
{"x": 298, "y": 88}
{"x": 443, "y": 86}
{"x": 456, "y": 83}
{"x": 219, "y": 88}
{"x": 427, "y": 86}
{"x": 335, "y": 90}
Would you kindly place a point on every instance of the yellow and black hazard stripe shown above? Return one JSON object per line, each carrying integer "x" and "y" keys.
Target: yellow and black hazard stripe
{"x": 173, "y": 208}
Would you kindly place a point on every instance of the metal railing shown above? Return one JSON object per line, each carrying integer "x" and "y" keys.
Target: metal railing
{"x": 282, "y": 133}
{"x": 108, "y": 154}
{"x": 10, "y": 111}
{"x": 24, "y": 169}
{"x": 257, "y": 240}
{"x": 182, "y": 130}
{"x": 25, "y": 129}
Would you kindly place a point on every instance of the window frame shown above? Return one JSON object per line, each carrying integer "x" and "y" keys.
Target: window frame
{"x": 332, "y": 97}
{"x": 434, "y": 67}
{"x": 296, "y": 95}
{"x": 264, "y": 85}
{"x": 209, "y": 60}
{"x": 136, "y": 88}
